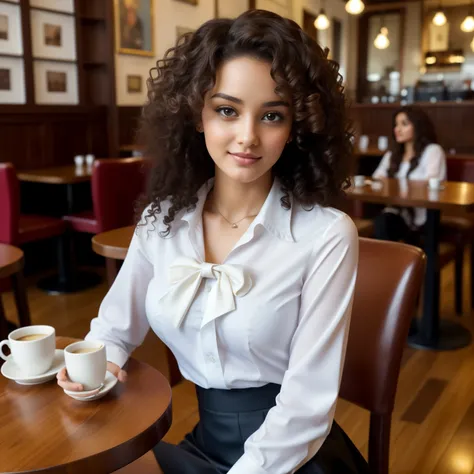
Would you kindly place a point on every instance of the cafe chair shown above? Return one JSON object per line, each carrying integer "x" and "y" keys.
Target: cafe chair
{"x": 389, "y": 280}
{"x": 11, "y": 266}
{"x": 459, "y": 229}
{"x": 18, "y": 229}
{"x": 116, "y": 184}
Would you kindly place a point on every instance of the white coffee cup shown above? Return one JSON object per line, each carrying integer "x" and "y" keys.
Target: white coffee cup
{"x": 359, "y": 181}
{"x": 86, "y": 368}
{"x": 363, "y": 142}
{"x": 90, "y": 159}
{"x": 34, "y": 356}
{"x": 79, "y": 160}
{"x": 382, "y": 143}
{"x": 434, "y": 183}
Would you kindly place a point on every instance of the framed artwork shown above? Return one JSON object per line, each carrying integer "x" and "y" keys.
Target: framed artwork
{"x": 134, "y": 27}
{"x": 53, "y": 35}
{"x": 55, "y": 83}
{"x": 5, "y": 79}
{"x": 12, "y": 81}
{"x": 134, "y": 84}
{"x": 11, "y": 41}
{"x": 189, "y": 2}
{"x": 58, "y": 5}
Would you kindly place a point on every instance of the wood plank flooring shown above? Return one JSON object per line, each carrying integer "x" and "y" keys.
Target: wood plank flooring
{"x": 433, "y": 421}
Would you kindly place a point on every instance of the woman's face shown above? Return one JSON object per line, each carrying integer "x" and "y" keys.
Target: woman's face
{"x": 246, "y": 123}
{"x": 404, "y": 131}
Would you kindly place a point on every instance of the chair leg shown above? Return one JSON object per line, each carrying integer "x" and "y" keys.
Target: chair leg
{"x": 3, "y": 322}
{"x": 112, "y": 267}
{"x": 379, "y": 443}
{"x": 21, "y": 298}
{"x": 458, "y": 280}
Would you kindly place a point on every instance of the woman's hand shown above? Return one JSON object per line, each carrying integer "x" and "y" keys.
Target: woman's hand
{"x": 66, "y": 384}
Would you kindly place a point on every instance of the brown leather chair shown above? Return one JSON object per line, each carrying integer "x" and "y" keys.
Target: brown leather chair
{"x": 388, "y": 282}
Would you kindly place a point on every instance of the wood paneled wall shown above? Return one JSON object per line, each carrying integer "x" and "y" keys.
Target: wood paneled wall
{"x": 41, "y": 136}
{"x": 128, "y": 117}
{"x": 452, "y": 120}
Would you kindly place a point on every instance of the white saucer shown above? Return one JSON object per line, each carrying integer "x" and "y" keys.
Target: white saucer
{"x": 88, "y": 396}
{"x": 11, "y": 371}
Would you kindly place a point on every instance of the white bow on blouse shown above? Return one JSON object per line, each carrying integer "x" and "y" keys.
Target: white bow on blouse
{"x": 186, "y": 274}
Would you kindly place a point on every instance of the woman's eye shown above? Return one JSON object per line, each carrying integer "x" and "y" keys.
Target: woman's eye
{"x": 226, "y": 111}
{"x": 272, "y": 117}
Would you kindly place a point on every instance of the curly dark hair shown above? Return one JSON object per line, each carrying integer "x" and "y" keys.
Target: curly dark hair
{"x": 314, "y": 167}
{"x": 424, "y": 132}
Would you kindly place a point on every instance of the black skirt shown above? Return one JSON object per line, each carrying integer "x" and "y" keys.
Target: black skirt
{"x": 228, "y": 418}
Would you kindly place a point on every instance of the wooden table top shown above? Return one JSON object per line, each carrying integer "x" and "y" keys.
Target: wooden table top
{"x": 44, "y": 430}
{"x": 11, "y": 260}
{"x": 68, "y": 174}
{"x": 407, "y": 193}
{"x": 114, "y": 243}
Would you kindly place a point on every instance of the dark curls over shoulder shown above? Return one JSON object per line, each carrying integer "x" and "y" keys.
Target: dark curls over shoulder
{"x": 314, "y": 167}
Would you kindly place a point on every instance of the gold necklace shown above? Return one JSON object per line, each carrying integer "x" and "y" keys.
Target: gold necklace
{"x": 234, "y": 224}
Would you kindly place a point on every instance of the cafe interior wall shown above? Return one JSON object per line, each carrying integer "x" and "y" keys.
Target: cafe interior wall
{"x": 169, "y": 14}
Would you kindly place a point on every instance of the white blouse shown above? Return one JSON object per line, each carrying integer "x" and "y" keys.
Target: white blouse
{"x": 277, "y": 310}
{"x": 432, "y": 165}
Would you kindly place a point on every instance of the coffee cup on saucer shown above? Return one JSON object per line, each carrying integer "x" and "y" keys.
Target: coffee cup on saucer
{"x": 86, "y": 363}
{"x": 32, "y": 349}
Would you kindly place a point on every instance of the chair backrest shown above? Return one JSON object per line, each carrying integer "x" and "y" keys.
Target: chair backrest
{"x": 388, "y": 282}
{"x": 9, "y": 204}
{"x": 116, "y": 185}
{"x": 461, "y": 168}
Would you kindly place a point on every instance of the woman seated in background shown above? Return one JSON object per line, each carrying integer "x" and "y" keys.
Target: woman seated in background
{"x": 415, "y": 155}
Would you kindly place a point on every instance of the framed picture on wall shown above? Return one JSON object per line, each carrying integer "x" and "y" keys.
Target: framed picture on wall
{"x": 189, "y": 2}
{"x": 53, "y": 35}
{"x": 55, "y": 83}
{"x": 134, "y": 84}
{"x": 12, "y": 81}
{"x": 11, "y": 41}
{"x": 134, "y": 27}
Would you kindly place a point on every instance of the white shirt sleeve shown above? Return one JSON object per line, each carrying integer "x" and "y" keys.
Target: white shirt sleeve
{"x": 297, "y": 426}
{"x": 382, "y": 168}
{"x": 122, "y": 323}
{"x": 435, "y": 160}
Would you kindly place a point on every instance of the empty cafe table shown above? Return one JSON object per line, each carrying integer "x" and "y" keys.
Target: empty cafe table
{"x": 431, "y": 333}
{"x": 69, "y": 280}
{"x": 44, "y": 430}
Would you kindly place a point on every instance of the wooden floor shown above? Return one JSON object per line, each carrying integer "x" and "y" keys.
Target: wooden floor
{"x": 433, "y": 422}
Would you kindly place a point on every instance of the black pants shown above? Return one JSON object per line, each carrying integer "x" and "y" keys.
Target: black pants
{"x": 228, "y": 418}
{"x": 390, "y": 226}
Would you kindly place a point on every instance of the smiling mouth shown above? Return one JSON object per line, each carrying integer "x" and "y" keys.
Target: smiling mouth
{"x": 245, "y": 159}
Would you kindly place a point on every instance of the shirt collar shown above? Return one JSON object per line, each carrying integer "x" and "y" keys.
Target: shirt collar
{"x": 272, "y": 216}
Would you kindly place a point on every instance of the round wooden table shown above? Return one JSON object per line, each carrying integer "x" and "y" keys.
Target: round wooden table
{"x": 44, "y": 430}
{"x": 114, "y": 243}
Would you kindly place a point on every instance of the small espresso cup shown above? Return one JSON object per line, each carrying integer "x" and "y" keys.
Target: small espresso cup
{"x": 90, "y": 159}
{"x": 359, "y": 181}
{"x": 382, "y": 143}
{"x": 434, "y": 183}
{"x": 86, "y": 363}
{"x": 363, "y": 142}
{"x": 32, "y": 349}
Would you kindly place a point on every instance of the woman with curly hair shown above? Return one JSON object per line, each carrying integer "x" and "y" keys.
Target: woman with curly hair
{"x": 239, "y": 264}
{"x": 415, "y": 155}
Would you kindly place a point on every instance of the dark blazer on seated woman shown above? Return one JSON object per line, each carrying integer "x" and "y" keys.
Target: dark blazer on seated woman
{"x": 415, "y": 155}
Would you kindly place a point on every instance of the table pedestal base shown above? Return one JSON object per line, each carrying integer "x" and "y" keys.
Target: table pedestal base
{"x": 451, "y": 336}
{"x": 82, "y": 280}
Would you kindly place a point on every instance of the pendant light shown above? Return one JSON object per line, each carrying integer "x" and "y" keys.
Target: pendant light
{"x": 381, "y": 41}
{"x": 440, "y": 18}
{"x": 468, "y": 23}
{"x": 355, "y": 7}
{"x": 322, "y": 21}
